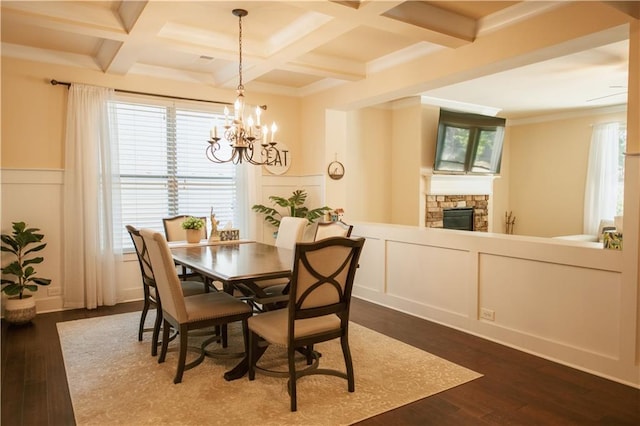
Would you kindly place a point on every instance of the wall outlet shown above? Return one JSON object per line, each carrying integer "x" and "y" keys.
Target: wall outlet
{"x": 54, "y": 291}
{"x": 487, "y": 314}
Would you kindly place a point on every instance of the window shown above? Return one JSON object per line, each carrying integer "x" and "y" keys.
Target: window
{"x": 163, "y": 167}
{"x": 469, "y": 143}
{"x": 604, "y": 186}
{"x": 622, "y": 148}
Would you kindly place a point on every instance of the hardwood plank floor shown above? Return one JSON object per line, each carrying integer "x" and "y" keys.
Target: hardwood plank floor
{"x": 517, "y": 388}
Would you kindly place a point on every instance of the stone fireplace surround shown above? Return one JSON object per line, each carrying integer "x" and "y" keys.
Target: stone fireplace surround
{"x": 437, "y": 203}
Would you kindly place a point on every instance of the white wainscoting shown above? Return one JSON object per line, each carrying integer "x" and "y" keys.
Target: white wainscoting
{"x": 562, "y": 300}
{"x": 35, "y": 196}
{"x": 559, "y": 301}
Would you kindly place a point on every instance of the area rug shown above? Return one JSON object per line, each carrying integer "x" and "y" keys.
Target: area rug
{"x": 113, "y": 379}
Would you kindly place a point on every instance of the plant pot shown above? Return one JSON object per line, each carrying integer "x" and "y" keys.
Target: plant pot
{"x": 193, "y": 235}
{"x": 19, "y": 311}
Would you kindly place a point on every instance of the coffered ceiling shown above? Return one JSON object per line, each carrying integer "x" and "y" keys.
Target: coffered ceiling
{"x": 298, "y": 48}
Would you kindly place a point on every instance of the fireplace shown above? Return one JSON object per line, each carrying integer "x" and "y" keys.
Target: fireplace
{"x": 461, "y": 218}
{"x": 437, "y": 204}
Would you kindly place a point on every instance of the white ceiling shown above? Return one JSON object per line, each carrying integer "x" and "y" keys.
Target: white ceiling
{"x": 588, "y": 79}
{"x": 298, "y": 48}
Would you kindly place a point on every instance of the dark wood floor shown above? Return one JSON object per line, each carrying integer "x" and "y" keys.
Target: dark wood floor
{"x": 517, "y": 388}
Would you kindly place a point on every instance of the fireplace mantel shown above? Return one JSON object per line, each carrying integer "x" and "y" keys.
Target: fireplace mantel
{"x": 445, "y": 184}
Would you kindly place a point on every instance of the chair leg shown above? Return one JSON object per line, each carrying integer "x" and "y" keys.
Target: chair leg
{"x": 291, "y": 351}
{"x": 225, "y": 336}
{"x": 143, "y": 317}
{"x": 156, "y": 331}
{"x": 182, "y": 357}
{"x": 245, "y": 335}
{"x": 253, "y": 349}
{"x": 165, "y": 341}
{"x": 344, "y": 342}
{"x": 309, "y": 354}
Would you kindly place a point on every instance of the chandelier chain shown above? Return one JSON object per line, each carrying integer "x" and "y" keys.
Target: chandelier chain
{"x": 240, "y": 86}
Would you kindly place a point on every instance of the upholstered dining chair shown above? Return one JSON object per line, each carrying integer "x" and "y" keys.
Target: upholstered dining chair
{"x": 151, "y": 298}
{"x": 317, "y": 311}
{"x": 290, "y": 231}
{"x": 173, "y": 232}
{"x": 332, "y": 229}
{"x": 268, "y": 294}
{"x": 188, "y": 313}
{"x": 173, "y": 228}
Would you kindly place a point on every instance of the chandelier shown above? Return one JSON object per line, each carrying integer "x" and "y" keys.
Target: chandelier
{"x": 243, "y": 141}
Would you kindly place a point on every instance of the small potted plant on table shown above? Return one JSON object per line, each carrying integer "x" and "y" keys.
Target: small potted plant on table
{"x": 20, "y": 308}
{"x": 193, "y": 226}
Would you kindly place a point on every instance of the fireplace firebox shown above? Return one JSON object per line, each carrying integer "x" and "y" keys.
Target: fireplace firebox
{"x": 458, "y": 218}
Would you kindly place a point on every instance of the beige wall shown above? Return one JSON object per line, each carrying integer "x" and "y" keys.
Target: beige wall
{"x": 499, "y": 204}
{"x": 547, "y": 171}
{"x": 33, "y": 117}
{"x": 386, "y": 147}
{"x": 369, "y": 166}
{"x": 405, "y": 149}
{"x": 33, "y": 111}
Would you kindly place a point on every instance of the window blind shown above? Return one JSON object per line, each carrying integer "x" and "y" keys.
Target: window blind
{"x": 163, "y": 167}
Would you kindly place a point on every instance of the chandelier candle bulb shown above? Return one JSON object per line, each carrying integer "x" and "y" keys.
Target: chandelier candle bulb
{"x": 273, "y": 130}
{"x": 226, "y": 116}
{"x": 258, "y": 112}
{"x": 250, "y": 124}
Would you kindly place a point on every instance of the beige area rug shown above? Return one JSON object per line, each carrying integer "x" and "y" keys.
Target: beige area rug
{"x": 113, "y": 379}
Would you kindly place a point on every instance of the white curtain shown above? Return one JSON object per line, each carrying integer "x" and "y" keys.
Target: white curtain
{"x": 89, "y": 251}
{"x": 249, "y": 179}
{"x": 602, "y": 177}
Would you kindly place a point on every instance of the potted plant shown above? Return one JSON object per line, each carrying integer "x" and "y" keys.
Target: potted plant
{"x": 20, "y": 308}
{"x": 294, "y": 205}
{"x": 193, "y": 226}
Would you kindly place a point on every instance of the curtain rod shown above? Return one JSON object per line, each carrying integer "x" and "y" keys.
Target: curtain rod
{"x": 65, "y": 83}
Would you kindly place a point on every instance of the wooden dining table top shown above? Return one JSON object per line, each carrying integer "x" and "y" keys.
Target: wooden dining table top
{"x": 235, "y": 262}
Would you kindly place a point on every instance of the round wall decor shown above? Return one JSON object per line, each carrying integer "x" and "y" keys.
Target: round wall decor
{"x": 335, "y": 170}
{"x": 281, "y": 163}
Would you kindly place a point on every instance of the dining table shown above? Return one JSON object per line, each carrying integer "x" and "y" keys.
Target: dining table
{"x": 236, "y": 264}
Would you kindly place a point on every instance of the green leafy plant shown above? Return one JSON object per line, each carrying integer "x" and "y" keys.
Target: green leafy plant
{"x": 192, "y": 223}
{"x": 20, "y": 244}
{"x": 294, "y": 206}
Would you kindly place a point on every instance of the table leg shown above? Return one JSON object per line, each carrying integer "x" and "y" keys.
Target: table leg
{"x": 242, "y": 367}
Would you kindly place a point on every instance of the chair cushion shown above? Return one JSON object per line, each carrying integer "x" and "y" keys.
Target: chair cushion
{"x": 213, "y": 305}
{"x": 190, "y": 288}
{"x": 272, "y": 282}
{"x": 272, "y": 326}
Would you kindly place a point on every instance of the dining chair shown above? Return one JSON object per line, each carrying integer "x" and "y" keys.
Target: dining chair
{"x": 332, "y": 229}
{"x": 151, "y": 298}
{"x": 317, "y": 311}
{"x": 290, "y": 231}
{"x": 173, "y": 228}
{"x": 188, "y": 313}
{"x": 269, "y": 293}
{"x": 173, "y": 232}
